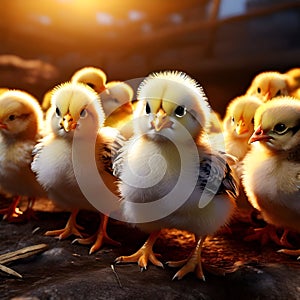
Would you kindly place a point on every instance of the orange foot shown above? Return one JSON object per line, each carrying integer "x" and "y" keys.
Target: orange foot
{"x": 99, "y": 238}
{"x": 71, "y": 228}
{"x": 144, "y": 254}
{"x": 12, "y": 213}
{"x": 191, "y": 264}
{"x": 264, "y": 235}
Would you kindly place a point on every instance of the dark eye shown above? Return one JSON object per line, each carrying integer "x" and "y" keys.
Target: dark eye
{"x": 12, "y": 117}
{"x": 148, "y": 109}
{"x": 252, "y": 121}
{"x": 83, "y": 113}
{"x": 278, "y": 93}
{"x": 232, "y": 119}
{"x": 57, "y": 111}
{"x": 280, "y": 128}
{"x": 180, "y": 111}
{"x": 258, "y": 90}
{"x": 91, "y": 85}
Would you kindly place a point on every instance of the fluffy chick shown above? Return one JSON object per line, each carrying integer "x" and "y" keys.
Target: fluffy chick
{"x": 116, "y": 97}
{"x": 169, "y": 141}
{"x": 272, "y": 167}
{"x": 118, "y": 108}
{"x": 293, "y": 80}
{"x": 76, "y": 110}
{"x": 93, "y": 77}
{"x": 21, "y": 121}
{"x": 238, "y": 124}
{"x": 268, "y": 85}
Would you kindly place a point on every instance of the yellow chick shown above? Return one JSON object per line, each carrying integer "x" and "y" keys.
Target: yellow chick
{"x": 272, "y": 168}
{"x": 293, "y": 80}
{"x": 169, "y": 175}
{"x": 118, "y": 108}
{"x": 268, "y": 85}
{"x": 116, "y": 98}
{"x": 93, "y": 77}
{"x": 77, "y": 119}
{"x": 238, "y": 124}
{"x": 21, "y": 122}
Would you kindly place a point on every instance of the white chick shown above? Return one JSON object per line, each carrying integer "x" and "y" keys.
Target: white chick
{"x": 167, "y": 166}
{"x": 21, "y": 122}
{"x": 268, "y": 85}
{"x": 76, "y": 110}
{"x": 272, "y": 168}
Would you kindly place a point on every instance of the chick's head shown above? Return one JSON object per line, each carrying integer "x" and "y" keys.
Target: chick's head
{"x": 239, "y": 119}
{"x": 167, "y": 103}
{"x": 268, "y": 85}
{"x": 93, "y": 77}
{"x": 116, "y": 99}
{"x": 21, "y": 116}
{"x": 75, "y": 106}
{"x": 277, "y": 124}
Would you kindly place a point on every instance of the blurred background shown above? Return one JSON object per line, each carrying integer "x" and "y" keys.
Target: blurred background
{"x": 223, "y": 44}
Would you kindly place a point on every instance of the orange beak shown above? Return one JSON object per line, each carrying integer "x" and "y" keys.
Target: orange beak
{"x": 3, "y": 126}
{"x": 161, "y": 121}
{"x": 68, "y": 123}
{"x": 267, "y": 96}
{"x": 241, "y": 127}
{"x": 259, "y": 135}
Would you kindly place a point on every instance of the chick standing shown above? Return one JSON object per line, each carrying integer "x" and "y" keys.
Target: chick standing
{"x": 272, "y": 168}
{"x": 268, "y": 85}
{"x": 21, "y": 122}
{"x": 76, "y": 110}
{"x": 171, "y": 117}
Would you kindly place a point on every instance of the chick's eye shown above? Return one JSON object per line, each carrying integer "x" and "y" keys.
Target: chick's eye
{"x": 148, "y": 109}
{"x": 259, "y": 90}
{"x": 180, "y": 111}
{"x": 278, "y": 93}
{"x": 232, "y": 119}
{"x": 12, "y": 117}
{"x": 252, "y": 120}
{"x": 57, "y": 111}
{"x": 280, "y": 128}
{"x": 83, "y": 113}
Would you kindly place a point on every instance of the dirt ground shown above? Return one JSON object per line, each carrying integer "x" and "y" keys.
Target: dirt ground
{"x": 66, "y": 271}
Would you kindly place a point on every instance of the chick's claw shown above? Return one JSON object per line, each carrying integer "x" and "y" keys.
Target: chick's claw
{"x": 264, "y": 235}
{"x": 72, "y": 228}
{"x": 141, "y": 257}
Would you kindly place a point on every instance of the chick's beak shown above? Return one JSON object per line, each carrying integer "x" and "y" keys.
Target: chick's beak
{"x": 161, "y": 121}
{"x": 259, "y": 135}
{"x": 2, "y": 125}
{"x": 68, "y": 123}
{"x": 267, "y": 96}
{"x": 241, "y": 127}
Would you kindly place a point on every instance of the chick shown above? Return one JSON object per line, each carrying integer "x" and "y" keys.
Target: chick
{"x": 271, "y": 168}
{"x": 268, "y": 85}
{"x": 118, "y": 108}
{"x": 293, "y": 79}
{"x": 238, "y": 124}
{"x": 116, "y": 97}
{"x": 93, "y": 77}
{"x": 21, "y": 122}
{"x": 169, "y": 176}
{"x": 76, "y": 112}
